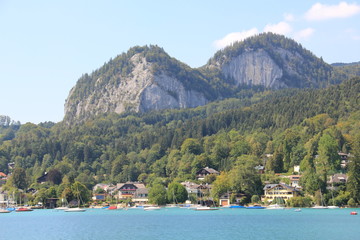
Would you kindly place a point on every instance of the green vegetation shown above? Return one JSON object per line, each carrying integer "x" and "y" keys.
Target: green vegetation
{"x": 306, "y": 127}
{"x": 350, "y": 69}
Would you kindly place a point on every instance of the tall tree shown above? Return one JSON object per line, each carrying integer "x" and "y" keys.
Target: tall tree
{"x": 176, "y": 193}
{"x": 328, "y": 153}
{"x": 19, "y": 178}
{"x": 54, "y": 176}
{"x": 353, "y": 184}
{"x": 157, "y": 194}
{"x": 221, "y": 185}
{"x": 244, "y": 176}
{"x": 80, "y": 192}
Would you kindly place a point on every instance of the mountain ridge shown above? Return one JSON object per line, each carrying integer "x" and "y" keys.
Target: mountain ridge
{"x": 147, "y": 78}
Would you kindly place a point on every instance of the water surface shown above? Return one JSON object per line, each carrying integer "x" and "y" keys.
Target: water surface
{"x": 176, "y": 224}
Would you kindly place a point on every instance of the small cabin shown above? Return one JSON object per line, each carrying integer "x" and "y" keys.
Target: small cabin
{"x": 51, "y": 203}
{"x": 295, "y": 181}
{"x": 202, "y": 173}
{"x": 344, "y": 158}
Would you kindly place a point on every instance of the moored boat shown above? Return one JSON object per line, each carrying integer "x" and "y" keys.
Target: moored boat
{"x": 4, "y": 211}
{"x": 236, "y": 206}
{"x": 275, "y": 207}
{"x": 75, "y": 210}
{"x": 319, "y": 207}
{"x": 255, "y": 207}
{"x": 61, "y": 208}
{"x": 151, "y": 208}
{"x": 23, "y": 209}
{"x": 205, "y": 208}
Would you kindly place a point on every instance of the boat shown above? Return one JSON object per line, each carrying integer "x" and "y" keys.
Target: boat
{"x": 275, "y": 207}
{"x": 297, "y": 210}
{"x": 61, "y": 208}
{"x": 236, "y": 206}
{"x": 77, "y": 209}
{"x": 4, "y": 211}
{"x": 112, "y": 208}
{"x": 135, "y": 208}
{"x": 192, "y": 206}
{"x": 205, "y": 208}
{"x": 319, "y": 207}
{"x": 23, "y": 209}
{"x": 332, "y": 207}
{"x": 151, "y": 208}
{"x": 255, "y": 207}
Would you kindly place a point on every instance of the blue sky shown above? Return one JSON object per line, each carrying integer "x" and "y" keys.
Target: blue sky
{"x": 47, "y": 45}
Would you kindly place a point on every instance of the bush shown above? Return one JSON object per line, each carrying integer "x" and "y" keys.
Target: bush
{"x": 299, "y": 202}
{"x": 255, "y": 199}
{"x": 352, "y": 203}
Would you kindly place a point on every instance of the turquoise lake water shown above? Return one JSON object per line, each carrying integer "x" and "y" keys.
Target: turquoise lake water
{"x": 176, "y": 223}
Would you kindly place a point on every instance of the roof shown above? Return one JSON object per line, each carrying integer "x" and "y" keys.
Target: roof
{"x": 190, "y": 185}
{"x": 294, "y": 177}
{"x": 136, "y": 184}
{"x": 102, "y": 186}
{"x": 338, "y": 178}
{"x": 142, "y": 191}
{"x": 204, "y": 186}
{"x": 209, "y": 170}
{"x": 2, "y": 174}
{"x": 271, "y": 186}
{"x": 43, "y": 178}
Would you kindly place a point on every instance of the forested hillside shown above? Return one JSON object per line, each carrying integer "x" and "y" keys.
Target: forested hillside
{"x": 349, "y": 69}
{"x": 293, "y": 125}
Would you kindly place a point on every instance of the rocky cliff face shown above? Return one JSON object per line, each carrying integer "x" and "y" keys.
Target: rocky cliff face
{"x": 272, "y": 61}
{"x": 167, "y": 92}
{"x": 142, "y": 89}
{"x": 254, "y": 68}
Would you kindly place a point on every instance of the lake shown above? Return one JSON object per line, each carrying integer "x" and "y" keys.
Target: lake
{"x": 177, "y": 223}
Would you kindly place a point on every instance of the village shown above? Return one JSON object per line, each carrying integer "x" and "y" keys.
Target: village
{"x": 199, "y": 192}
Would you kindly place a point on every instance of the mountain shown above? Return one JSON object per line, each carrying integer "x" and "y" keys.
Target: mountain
{"x": 143, "y": 79}
{"x": 273, "y": 61}
{"x": 147, "y": 78}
